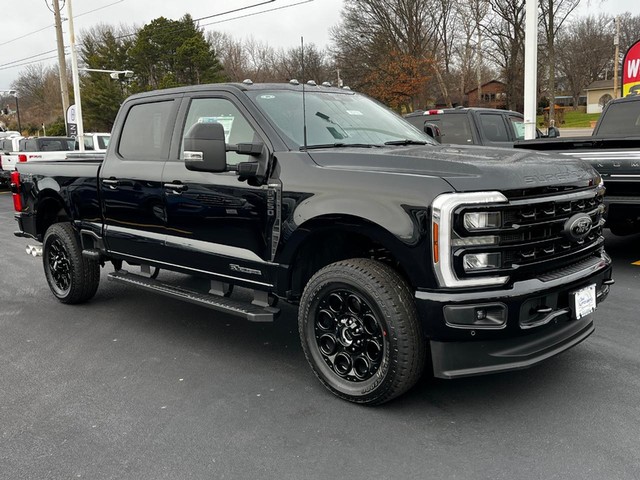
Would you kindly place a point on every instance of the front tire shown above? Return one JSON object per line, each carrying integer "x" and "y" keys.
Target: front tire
{"x": 72, "y": 278}
{"x": 359, "y": 331}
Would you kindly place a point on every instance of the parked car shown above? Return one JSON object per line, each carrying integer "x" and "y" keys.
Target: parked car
{"x": 96, "y": 142}
{"x": 614, "y": 151}
{"x": 473, "y": 126}
{"x": 36, "y": 149}
{"x": 394, "y": 248}
{"x": 8, "y": 144}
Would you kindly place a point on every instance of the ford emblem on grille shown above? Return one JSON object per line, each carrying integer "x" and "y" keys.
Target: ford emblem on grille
{"x": 577, "y": 227}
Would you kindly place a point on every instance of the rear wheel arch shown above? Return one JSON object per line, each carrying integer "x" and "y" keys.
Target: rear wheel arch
{"x": 50, "y": 210}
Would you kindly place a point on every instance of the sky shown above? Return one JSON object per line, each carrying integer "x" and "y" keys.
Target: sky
{"x": 28, "y": 31}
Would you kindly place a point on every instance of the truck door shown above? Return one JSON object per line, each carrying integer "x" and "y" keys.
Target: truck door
{"x": 216, "y": 223}
{"x": 130, "y": 180}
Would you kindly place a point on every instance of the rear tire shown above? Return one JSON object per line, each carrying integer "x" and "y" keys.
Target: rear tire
{"x": 72, "y": 278}
{"x": 359, "y": 331}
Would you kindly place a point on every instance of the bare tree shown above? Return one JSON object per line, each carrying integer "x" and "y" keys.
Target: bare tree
{"x": 554, "y": 14}
{"x": 39, "y": 91}
{"x": 587, "y": 51}
{"x": 374, "y": 33}
{"x": 506, "y": 33}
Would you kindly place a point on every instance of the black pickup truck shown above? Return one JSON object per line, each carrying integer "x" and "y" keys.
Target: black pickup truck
{"x": 613, "y": 150}
{"x": 400, "y": 253}
{"x": 490, "y": 127}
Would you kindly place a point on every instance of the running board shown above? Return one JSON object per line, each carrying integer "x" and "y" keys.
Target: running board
{"x": 251, "y": 312}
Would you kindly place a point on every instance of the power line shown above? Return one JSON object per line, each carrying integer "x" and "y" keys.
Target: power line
{"x": 256, "y": 13}
{"x": 53, "y": 25}
{"x": 169, "y": 27}
{"x": 29, "y": 63}
{"x": 26, "y": 35}
{"x": 15, "y": 63}
{"x": 9, "y": 64}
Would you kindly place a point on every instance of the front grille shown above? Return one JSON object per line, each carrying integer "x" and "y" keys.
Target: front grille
{"x": 534, "y": 234}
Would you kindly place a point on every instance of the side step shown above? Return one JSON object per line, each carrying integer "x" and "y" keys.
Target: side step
{"x": 251, "y": 312}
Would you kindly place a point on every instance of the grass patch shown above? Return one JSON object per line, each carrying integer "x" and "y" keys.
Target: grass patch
{"x": 574, "y": 119}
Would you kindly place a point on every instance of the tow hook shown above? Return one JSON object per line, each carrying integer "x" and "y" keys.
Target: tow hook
{"x": 35, "y": 250}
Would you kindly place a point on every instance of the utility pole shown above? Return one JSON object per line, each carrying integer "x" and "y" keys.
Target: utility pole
{"x": 616, "y": 42}
{"x": 76, "y": 77}
{"x": 62, "y": 64}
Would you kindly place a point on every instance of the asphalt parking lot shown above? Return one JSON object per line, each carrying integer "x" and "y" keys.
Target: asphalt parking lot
{"x": 137, "y": 386}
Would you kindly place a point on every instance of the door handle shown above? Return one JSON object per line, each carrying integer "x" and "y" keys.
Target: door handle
{"x": 112, "y": 183}
{"x": 176, "y": 186}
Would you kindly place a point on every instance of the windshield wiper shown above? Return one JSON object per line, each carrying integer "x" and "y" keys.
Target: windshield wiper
{"x": 407, "y": 142}
{"x": 340, "y": 145}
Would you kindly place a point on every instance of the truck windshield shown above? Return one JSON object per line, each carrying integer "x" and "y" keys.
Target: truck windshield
{"x": 621, "y": 120}
{"x": 336, "y": 119}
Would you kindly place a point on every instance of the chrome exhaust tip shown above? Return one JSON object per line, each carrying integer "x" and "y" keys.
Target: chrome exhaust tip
{"x": 34, "y": 250}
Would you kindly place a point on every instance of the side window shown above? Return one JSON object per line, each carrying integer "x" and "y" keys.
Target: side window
{"x": 144, "y": 133}
{"x": 236, "y": 127}
{"x": 493, "y": 127}
{"x": 455, "y": 128}
{"x": 517, "y": 124}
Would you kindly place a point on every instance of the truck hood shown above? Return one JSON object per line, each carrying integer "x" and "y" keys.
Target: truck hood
{"x": 464, "y": 168}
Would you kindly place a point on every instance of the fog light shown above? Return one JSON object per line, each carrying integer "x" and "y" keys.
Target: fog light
{"x": 481, "y": 261}
{"x": 484, "y": 316}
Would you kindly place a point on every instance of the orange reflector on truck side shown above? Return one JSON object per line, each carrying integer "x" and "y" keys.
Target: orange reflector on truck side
{"x": 436, "y": 245}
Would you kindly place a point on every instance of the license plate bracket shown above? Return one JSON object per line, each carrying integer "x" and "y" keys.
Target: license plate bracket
{"x": 583, "y": 301}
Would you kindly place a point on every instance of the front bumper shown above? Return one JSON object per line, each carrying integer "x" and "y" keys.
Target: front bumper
{"x": 528, "y": 336}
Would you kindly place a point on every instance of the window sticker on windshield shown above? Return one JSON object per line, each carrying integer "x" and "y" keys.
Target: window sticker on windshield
{"x": 226, "y": 122}
{"x": 354, "y": 112}
{"x": 519, "y": 127}
{"x": 268, "y": 97}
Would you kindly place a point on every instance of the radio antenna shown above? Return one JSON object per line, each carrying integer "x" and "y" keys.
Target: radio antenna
{"x": 304, "y": 104}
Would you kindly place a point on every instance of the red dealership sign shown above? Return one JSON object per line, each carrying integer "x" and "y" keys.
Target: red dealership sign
{"x": 631, "y": 70}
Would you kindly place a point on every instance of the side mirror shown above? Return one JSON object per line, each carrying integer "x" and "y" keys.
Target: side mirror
{"x": 205, "y": 148}
{"x": 433, "y": 131}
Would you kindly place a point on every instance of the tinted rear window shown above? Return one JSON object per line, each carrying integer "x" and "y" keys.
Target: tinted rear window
{"x": 455, "y": 128}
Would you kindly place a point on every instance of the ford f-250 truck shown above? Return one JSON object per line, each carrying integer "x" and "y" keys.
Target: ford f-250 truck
{"x": 397, "y": 250}
{"x": 614, "y": 151}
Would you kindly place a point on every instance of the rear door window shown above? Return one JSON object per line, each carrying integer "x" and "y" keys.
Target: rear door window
{"x": 494, "y": 128}
{"x": 146, "y": 132}
{"x": 455, "y": 127}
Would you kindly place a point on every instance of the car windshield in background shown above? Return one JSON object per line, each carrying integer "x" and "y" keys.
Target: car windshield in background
{"x": 336, "y": 119}
{"x": 622, "y": 120}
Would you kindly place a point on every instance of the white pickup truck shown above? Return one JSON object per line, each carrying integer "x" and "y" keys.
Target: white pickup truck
{"x": 32, "y": 149}
{"x": 96, "y": 142}
{"x": 8, "y": 144}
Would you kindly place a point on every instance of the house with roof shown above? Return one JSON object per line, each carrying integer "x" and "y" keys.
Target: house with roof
{"x": 493, "y": 95}
{"x": 599, "y": 93}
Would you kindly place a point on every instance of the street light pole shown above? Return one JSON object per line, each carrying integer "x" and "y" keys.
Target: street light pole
{"x": 530, "y": 68}
{"x": 76, "y": 77}
{"x": 18, "y": 112}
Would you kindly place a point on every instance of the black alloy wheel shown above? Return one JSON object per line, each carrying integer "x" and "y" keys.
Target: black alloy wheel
{"x": 359, "y": 331}
{"x": 72, "y": 278}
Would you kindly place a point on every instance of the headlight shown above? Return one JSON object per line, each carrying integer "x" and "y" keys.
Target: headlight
{"x": 482, "y": 220}
{"x": 474, "y": 262}
{"x": 446, "y": 241}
